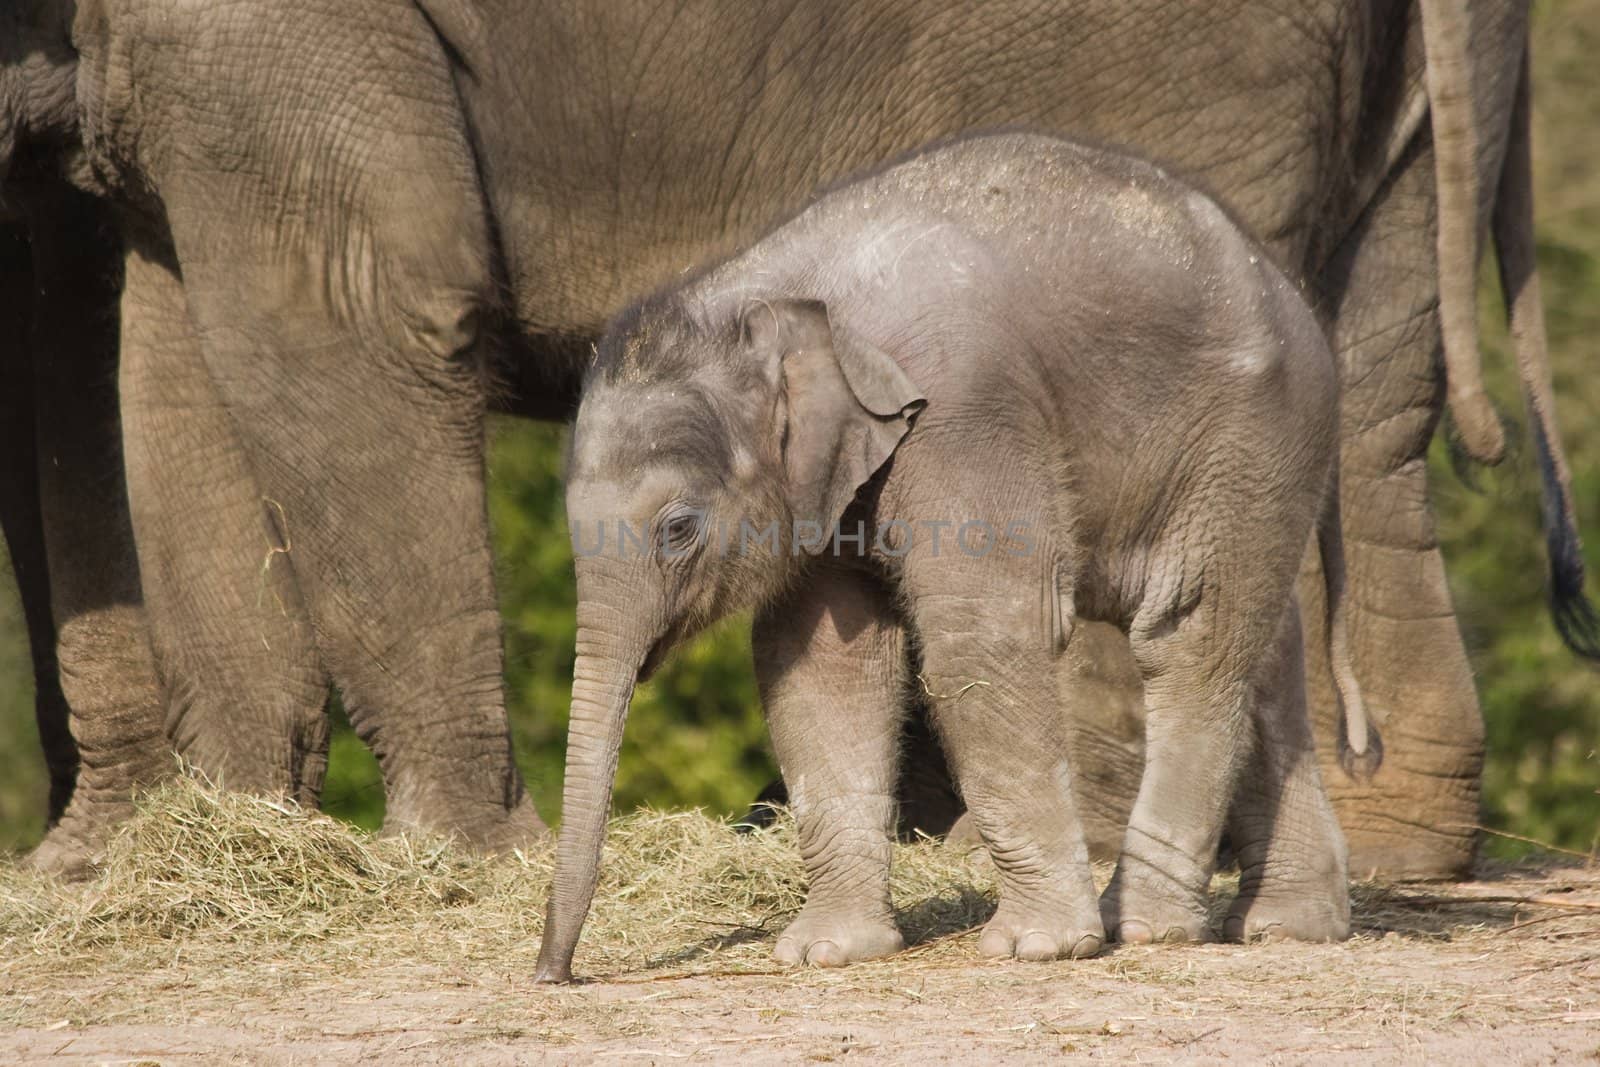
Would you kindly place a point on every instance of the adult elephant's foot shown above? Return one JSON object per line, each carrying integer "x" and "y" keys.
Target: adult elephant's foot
{"x": 520, "y": 828}
{"x": 1417, "y": 817}
{"x": 833, "y": 939}
{"x": 1289, "y": 916}
{"x": 69, "y": 851}
{"x": 1141, "y": 906}
{"x": 1141, "y": 928}
{"x": 103, "y": 800}
{"x": 1033, "y": 932}
{"x": 109, "y": 680}
{"x": 494, "y": 831}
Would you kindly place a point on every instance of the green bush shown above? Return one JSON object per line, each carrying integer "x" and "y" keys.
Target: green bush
{"x": 24, "y": 789}
{"x": 695, "y": 735}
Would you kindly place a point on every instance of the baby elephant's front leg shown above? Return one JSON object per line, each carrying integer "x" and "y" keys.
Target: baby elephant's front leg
{"x": 992, "y": 686}
{"x": 830, "y": 661}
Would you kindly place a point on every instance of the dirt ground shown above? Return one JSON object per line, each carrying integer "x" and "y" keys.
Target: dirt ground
{"x": 233, "y": 930}
{"x": 1373, "y": 1001}
{"x": 1422, "y": 998}
{"x": 1416, "y": 998}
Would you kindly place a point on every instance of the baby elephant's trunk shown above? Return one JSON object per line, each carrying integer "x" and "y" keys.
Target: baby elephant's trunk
{"x": 1360, "y": 747}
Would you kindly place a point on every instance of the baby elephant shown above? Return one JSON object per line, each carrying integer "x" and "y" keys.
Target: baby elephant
{"x": 923, "y": 427}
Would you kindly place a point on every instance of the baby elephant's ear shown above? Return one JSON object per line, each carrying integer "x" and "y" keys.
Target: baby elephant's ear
{"x": 847, "y": 404}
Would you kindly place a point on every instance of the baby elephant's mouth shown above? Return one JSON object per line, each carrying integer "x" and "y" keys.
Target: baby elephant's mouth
{"x": 654, "y": 657}
{"x": 676, "y": 634}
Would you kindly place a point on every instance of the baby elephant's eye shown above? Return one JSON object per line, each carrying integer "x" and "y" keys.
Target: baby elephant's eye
{"x": 680, "y": 533}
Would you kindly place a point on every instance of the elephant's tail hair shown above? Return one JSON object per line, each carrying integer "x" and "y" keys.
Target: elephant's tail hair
{"x": 1575, "y": 615}
{"x": 1360, "y": 747}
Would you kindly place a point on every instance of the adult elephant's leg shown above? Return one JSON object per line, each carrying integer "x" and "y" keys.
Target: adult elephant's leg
{"x": 925, "y": 790}
{"x": 19, "y": 513}
{"x": 371, "y": 464}
{"x": 324, "y": 206}
{"x": 234, "y": 648}
{"x": 102, "y": 646}
{"x": 1416, "y": 816}
{"x": 375, "y": 488}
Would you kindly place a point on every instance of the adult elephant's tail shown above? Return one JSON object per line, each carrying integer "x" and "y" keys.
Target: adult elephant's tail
{"x": 1455, "y": 156}
{"x": 1575, "y": 616}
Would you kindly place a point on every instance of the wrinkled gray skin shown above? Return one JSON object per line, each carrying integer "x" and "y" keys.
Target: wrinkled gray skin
{"x": 63, "y": 500}
{"x": 260, "y": 585}
{"x": 64, "y": 511}
{"x": 1091, "y": 358}
{"x": 360, "y": 200}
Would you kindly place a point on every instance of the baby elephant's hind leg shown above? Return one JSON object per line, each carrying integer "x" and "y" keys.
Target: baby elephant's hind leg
{"x": 1197, "y": 674}
{"x": 830, "y": 661}
{"x": 1293, "y": 882}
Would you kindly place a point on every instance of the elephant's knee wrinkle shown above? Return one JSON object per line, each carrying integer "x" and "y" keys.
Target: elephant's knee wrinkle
{"x": 447, "y": 325}
{"x": 104, "y": 655}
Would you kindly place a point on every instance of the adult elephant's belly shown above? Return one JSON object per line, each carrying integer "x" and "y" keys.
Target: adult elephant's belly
{"x": 623, "y": 147}
{"x": 622, "y": 144}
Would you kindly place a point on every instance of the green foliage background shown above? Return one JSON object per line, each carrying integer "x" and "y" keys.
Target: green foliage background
{"x": 1541, "y": 706}
{"x": 696, "y": 736}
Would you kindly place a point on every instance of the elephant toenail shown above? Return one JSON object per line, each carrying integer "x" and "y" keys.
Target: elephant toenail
{"x": 1086, "y": 946}
{"x": 825, "y": 954}
{"x": 1135, "y": 932}
{"x": 1036, "y": 945}
{"x": 996, "y": 943}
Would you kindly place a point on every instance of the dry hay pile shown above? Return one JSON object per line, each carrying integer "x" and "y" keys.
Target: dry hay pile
{"x": 211, "y": 900}
{"x": 225, "y": 880}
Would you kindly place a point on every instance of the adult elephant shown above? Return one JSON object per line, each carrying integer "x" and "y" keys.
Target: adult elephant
{"x": 64, "y": 512}
{"x": 330, "y": 217}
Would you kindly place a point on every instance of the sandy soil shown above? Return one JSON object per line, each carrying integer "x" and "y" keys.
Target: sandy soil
{"x": 1499, "y": 971}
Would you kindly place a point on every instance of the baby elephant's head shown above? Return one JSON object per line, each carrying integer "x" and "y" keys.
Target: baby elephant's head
{"x": 712, "y": 453}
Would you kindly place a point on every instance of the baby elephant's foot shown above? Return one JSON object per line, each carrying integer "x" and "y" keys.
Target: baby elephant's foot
{"x": 1281, "y": 916}
{"x": 834, "y": 939}
{"x": 1138, "y": 913}
{"x": 1039, "y": 933}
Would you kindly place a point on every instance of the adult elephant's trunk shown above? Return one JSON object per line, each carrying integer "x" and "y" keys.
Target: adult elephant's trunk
{"x": 602, "y": 686}
{"x": 1455, "y": 155}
